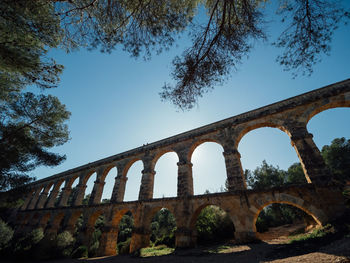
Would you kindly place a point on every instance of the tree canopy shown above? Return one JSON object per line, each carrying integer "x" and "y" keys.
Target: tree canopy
{"x": 222, "y": 34}
{"x": 30, "y": 123}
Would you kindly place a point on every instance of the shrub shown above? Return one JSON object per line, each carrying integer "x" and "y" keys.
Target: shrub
{"x": 6, "y": 234}
{"x": 124, "y": 247}
{"x": 80, "y": 252}
{"x": 64, "y": 240}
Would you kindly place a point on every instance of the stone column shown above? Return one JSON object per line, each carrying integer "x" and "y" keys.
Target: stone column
{"x": 43, "y": 197}
{"x": 147, "y": 181}
{"x": 34, "y": 199}
{"x": 314, "y": 167}
{"x": 66, "y": 191}
{"x": 79, "y": 194}
{"x": 97, "y": 191}
{"x": 86, "y": 235}
{"x": 235, "y": 175}
{"x": 27, "y": 199}
{"x": 185, "y": 238}
{"x": 108, "y": 241}
{"x": 184, "y": 180}
{"x": 119, "y": 185}
{"x": 140, "y": 238}
{"x": 52, "y": 198}
{"x": 52, "y": 229}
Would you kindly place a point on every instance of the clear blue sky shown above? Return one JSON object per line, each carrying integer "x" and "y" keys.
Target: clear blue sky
{"x": 115, "y": 107}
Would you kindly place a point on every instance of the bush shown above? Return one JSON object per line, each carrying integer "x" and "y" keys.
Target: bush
{"x": 64, "y": 240}
{"x": 80, "y": 252}
{"x": 63, "y": 244}
{"x": 124, "y": 247}
{"x": 6, "y": 234}
{"x": 214, "y": 224}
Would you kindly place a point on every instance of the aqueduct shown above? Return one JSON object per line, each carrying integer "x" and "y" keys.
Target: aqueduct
{"x": 319, "y": 198}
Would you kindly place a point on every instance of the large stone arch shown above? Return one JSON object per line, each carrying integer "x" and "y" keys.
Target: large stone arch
{"x": 159, "y": 154}
{"x": 152, "y": 211}
{"x": 244, "y": 129}
{"x": 288, "y": 199}
{"x": 131, "y": 163}
{"x": 155, "y": 161}
{"x": 325, "y": 105}
{"x": 201, "y": 141}
{"x": 208, "y": 142}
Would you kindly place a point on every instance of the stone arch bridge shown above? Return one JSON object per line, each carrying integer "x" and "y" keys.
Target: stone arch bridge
{"x": 319, "y": 197}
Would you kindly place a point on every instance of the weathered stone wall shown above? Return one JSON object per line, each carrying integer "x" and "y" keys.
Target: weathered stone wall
{"x": 319, "y": 198}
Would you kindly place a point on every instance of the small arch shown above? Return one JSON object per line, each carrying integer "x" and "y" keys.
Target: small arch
{"x": 165, "y": 180}
{"x": 163, "y": 227}
{"x": 210, "y": 224}
{"x": 125, "y": 224}
{"x": 279, "y": 219}
{"x": 317, "y": 218}
{"x": 209, "y": 169}
{"x": 96, "y": 235}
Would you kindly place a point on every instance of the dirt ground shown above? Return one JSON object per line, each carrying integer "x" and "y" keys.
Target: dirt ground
{"x": 272, "y": 249}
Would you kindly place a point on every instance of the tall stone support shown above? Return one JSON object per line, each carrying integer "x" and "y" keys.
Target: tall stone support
{"x": 79, "y": 194}
{"x": 185, "y": 179}
{"x": 185, "y": 237}
{"x": 52, "y": 198}
{"x": 85, "y": 235}
{"x": 27, "y": 200}
{"x": 314, "y": 167}
{"x": 43, "y": 197}
{"x": 66, "y": 191}
{"x": 34, "y": 199}
{"x": 235, "y": 176}
{"x": 147, "y": 180}
{"x": 184, "y": 174}
{"x": 108, "y": 241}
{"x": 119, "y": 185}
{"x": 97, "y": 191}
{"x": 140, "y": 238}
{"x": 244, "y": 225}
{"x": 147, "y": 185}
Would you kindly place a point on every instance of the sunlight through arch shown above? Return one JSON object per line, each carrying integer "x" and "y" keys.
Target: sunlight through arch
{"x": 165, "y": 180}
{"x": 269, "y": 144}
{"x": 328, "y": 125}
{"x": 133, "y": 183}
{"x": 209, "y": 171}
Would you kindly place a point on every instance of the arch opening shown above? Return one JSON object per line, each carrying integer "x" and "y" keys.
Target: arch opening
{"x": 209, "y": 170}
{"x": 331, "y": 136}
{"x": 163, "y": 227}
{"x": 132, "y": 188}
{"x": 96, "y": 235}
{"x": 165, "y": 180}
{"x": 125, "y": 227}
{"x": 89, "y": 186}
{"x": 73, "y": 192}
{"x": 213, "y": 225}
{"x": 108, "y": 186}
{"x": 279, "y": 221}
{"x": 269, "y": 160}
